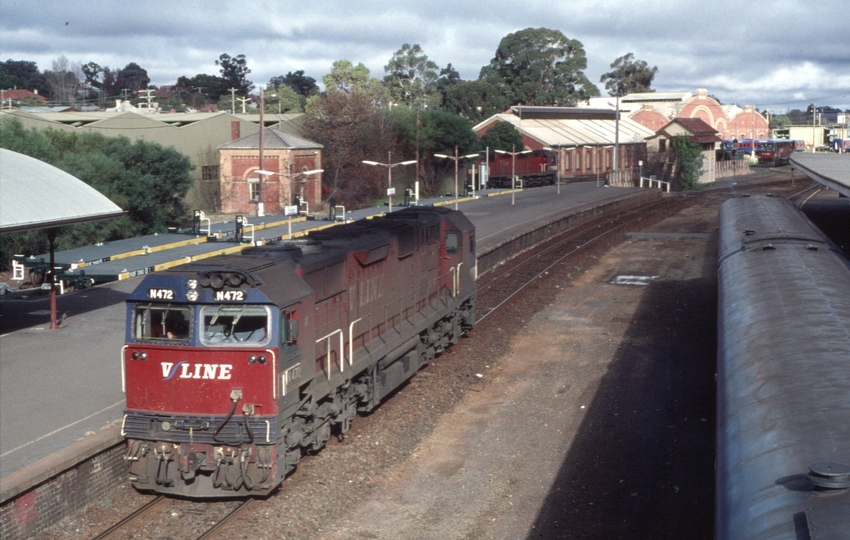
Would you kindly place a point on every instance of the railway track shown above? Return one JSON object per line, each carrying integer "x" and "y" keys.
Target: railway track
{"x": 210, "y": 517}
{"x": 521, "y": 272}
{"x": 496, "y": 290}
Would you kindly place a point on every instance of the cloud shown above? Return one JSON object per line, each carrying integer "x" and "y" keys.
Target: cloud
{"x": 768, "y": 54}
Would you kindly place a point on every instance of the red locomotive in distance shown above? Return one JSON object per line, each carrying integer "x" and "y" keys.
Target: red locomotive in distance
{"x": 533, "y": 169}
{"x": 773, "y": 151}
{"x": 237, "y": 366}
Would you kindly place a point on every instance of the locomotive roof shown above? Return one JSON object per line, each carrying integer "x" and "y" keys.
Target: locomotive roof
{"x": 368, "y": 240}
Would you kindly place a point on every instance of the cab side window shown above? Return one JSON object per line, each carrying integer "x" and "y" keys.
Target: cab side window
{"x": 288, "y": 327}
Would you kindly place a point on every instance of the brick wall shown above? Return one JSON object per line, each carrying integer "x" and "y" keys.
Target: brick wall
{"x": 61, "y": 484}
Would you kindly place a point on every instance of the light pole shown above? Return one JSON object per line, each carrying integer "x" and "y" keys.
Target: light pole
{"x": 513, "y": 155}
{"x": 389, "y": 165}
{"x": 290, "y": 176}
{"x": 456, "y": 158}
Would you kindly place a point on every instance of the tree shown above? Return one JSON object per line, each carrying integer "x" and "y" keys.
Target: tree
{"x": 24, "y": 74}
{"x": 348, "y": 78}
{"x": 63, "y": 80}
{"x": 300, "y": 83}
{"x": 539, "y": 66}
{"x": 211, "y": 87}
{"x": 628, "y": 76}
{"x": 440, "y": 132}
{"x": 474, "y": 100}
{"x": 779, "y": 121}
{"x": 132, "y": 79}
{"x": 449, "y": 77}
{"x": 411, "y": 77}
{"x": 503, "y": 136}
{"x": 689, "y": 160}
{"x": 234, "y": 70}
{"x": 350, "y": 125}
{"x": 283, "y": 99}
{"x": 92, "y": 73}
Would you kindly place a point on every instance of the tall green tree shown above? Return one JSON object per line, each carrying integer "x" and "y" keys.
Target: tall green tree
{"x": 283, "y": 99}
{"x": 211, "y": 87}
{"x": 503, "y": 136}
{"x": 628, "y": 76}
{"x": 234, "y": 70}
{"x": 539, "y": 66}
{"x": 449, "y": 77}
{"x": 300, "y": 83}
{"x": 411, "y": 77}
{"x": 132, "y": 79}
{"x": 474, "y": 100}
{"x": 440, "y": 132}
{"x": 23, "y": 74}
{"x": 347, "y": 78}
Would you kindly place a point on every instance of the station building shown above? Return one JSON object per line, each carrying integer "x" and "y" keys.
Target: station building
{"x": 584, "y": 139}
{"x": 284, "y": 155}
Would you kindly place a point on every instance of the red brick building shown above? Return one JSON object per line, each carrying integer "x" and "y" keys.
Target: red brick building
{"x": 286, "y": 156}
{"x": 656, "y": 109}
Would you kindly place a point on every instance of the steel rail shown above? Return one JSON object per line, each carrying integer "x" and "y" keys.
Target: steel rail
{"x": 130, "y": 518}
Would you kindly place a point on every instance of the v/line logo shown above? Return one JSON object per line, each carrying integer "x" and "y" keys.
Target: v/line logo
{"x": 185, "y": 370}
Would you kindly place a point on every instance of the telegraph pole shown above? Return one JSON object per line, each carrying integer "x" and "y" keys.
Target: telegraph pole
{"x": 233, "y": 102}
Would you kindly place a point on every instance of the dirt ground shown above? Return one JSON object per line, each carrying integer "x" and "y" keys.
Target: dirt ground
{"x": 598, "y": 420}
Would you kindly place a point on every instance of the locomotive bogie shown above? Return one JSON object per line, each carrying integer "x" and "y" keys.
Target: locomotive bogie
{"x": 236, "y": 368}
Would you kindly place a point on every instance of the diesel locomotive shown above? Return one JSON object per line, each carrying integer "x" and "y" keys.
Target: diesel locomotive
{"x": 237, "y": 366}
{"x": 534, "y": 169}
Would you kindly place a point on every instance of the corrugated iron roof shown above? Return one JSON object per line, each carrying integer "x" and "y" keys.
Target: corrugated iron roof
{"x": 272, "y": 139}
{"x": 555, "y": 132}
{"x": 36, "y": 195}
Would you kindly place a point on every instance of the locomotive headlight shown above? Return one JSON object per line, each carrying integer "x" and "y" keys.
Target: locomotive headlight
{"x": 192, "y": 284}
{"x": 192, "y": 296}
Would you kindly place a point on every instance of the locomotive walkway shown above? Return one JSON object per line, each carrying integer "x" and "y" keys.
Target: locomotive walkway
{"x": 60, "y": 391}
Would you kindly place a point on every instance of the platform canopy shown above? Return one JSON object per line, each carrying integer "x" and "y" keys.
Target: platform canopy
{"x": 831, "y": 170}
{"x": 36, "y": 195}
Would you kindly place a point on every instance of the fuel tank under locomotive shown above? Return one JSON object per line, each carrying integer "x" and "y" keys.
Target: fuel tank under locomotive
{"x": 783, "y": 397}
{"x": 236, "y": 366}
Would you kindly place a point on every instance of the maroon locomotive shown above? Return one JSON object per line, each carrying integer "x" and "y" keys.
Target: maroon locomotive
{"x": 532, "y": 169}
{"x": 237, "y": 366}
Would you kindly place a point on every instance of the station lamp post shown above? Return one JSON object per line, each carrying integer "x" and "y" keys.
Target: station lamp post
{"x": 513, "y": 155}
{"x": 289, "y": 209}
{"x": 389, "y": 165}
{"x": 456, "y": 158}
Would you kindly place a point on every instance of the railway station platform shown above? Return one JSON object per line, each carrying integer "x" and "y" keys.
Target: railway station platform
{"x": 831, "y": 170}
{"x": 60, "y": 390}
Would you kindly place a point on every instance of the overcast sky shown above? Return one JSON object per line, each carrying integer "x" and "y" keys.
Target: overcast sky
{"x": 775, "y": 54}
